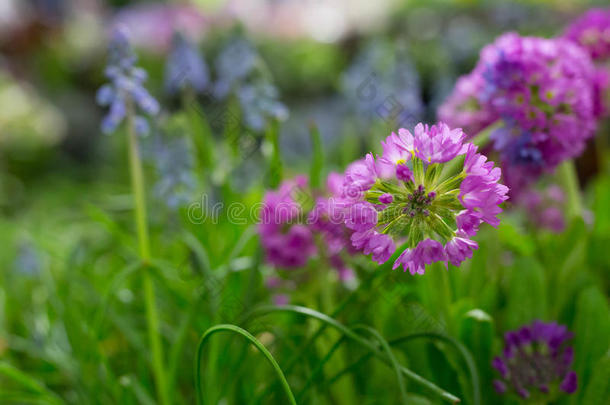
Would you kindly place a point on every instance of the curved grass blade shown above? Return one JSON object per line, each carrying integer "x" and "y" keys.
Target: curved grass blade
{"x": 386, "y": 347}
{"x": 236, "y": 329}
{"x": 263, "y": 310}
{"x": 29, "y": 383}
{"x": 342, "y": 305}
{"x": 472, "y": 368}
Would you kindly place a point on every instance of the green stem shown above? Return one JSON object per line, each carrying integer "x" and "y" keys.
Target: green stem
{"x": 236, "y": 329}
{"x": 275, "y": 161}
{"x": 443, "y": 289}
{"x": 152, "y": 319}
{"x": 460, "y": 348}
{"x": 569, "y": 178}
{"x": 317, "y": 157}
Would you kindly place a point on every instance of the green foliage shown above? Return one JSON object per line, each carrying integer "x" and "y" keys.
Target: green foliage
{"x": 74, "y": 326}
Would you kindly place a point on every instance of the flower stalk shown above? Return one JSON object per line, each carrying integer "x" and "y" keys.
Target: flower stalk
{"x": 569, "y": 178}
{"x": 152, "y": 317}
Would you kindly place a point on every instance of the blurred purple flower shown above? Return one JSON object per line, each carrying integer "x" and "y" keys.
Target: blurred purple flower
{"x": 286, "y": 240}
{"x": 126, "y": 86}
{"x": 535, "y": 357}
{"x": 241, "y": 72}
{"x": 185, "y": 67}
{"x": 592, "y": 32}
{"x": 541, "y": 90}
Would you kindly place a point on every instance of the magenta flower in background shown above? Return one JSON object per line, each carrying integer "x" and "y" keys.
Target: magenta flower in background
{"x": 404, "y": 197}
{"x": 536, "y": 357}
{"x": 592, "y": 32}
{"x": 541, "y": 91}
{"x": 291, "y": 221}
{"x": 463, "y": 109}
{"x": 327, "y": 218}
{"x": 287, "y": 241}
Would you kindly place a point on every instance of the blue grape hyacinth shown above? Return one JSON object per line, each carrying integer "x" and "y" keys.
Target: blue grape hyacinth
{"x": 185, "y": 67}
{"x": 126, "y": 89}
{"x": 241, "y": 72}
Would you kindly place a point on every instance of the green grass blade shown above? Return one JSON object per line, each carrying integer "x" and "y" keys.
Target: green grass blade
{"x": 236, "y": 329}
{"x": 29, "y": 383}
{"x": 386, "y": 347}
{"x": 266, "y": 309}
{"x": 317, "y": 157}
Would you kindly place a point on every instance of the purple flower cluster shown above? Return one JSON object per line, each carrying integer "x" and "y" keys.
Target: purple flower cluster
{"x": 126, "y": 87}
{"x": 291, "y": 219}
{"x": 536, "y": 357}
{"x": 463, "y": 109}
{"x": 541, "y": 90}
{"x": 404, "y": 197}
{"x": 287, "y": 240}
{"x": 592, "y": 32}
{"x": 327, "y": 218}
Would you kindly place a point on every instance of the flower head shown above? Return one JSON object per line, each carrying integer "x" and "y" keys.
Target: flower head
{"x": 126, "y": 87}
{"x": 541, "y": 91}
{"x": 287, "y": 241}
{"x": 463, "y": 108}
{"x": 592, "y": 31}
{"x": 292, "y": 220}
{"x": 535, "y": 357}
{"x": 404, "y": 197}
{"x": 185, "y": 67}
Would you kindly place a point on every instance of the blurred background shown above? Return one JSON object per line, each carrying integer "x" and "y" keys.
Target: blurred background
{"x": 345, "y": 65}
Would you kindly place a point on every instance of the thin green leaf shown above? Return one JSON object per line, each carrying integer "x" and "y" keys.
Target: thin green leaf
{"x": 236, "y": 329}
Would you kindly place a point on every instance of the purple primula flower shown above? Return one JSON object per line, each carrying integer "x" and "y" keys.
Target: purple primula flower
{"x": 291, "y": 221}
{"x": 327, "y": 218}
{"x": 534, "y": 358}
{"x": 432, "y": 213}
{"x": 386, "y": 198}
{"x": 592, "y": 32}
{"x": 126, "y": 87}
{"x": 463, "y": 109}
{"x": 287, "y": 243}
{"x": 437, "y": 144}
{"x": 460, "y": 248}
{"x": 541, "y": 94}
